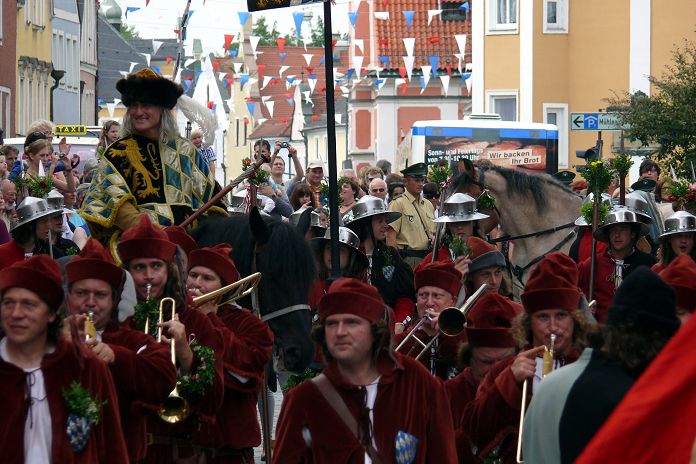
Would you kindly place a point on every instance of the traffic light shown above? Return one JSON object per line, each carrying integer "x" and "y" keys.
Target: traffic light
{"x": 589, "y": 155}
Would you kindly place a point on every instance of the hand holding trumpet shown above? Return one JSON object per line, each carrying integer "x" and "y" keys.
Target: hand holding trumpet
{"x": 524, "y": 365}
{"x": 176, "y": 330}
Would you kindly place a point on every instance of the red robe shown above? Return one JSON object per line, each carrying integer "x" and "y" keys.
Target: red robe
{"x": 60, "y": 368}
{"x": 461, "y": 390}
{"x": 140, "y": 376}
{"x": 447, "y": 349}
{"x": 408, "y": 399}
{"x": 203, "y": 408}
{"x": 10, "y": 253}
{"x": 248, "y": 348}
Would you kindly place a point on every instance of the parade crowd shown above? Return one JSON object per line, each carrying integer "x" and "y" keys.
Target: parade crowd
{"x": 122, "y": 340}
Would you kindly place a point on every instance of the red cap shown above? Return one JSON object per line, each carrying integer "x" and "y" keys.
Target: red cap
{"x": 489, "y": 321}
{"x": 352, "y": 296}
{"x": 483, "y": 255}
{"x": 94, "y": 262}
{"x": 40, "y": 274}
{"x": 680, "y": 274}
{"x": 145, "y": 240}
{"x": 179, "y": 236}
{"x": 216, "y": 259}
{"x": 440, "y": 274}
{"x": 553, "y": 284}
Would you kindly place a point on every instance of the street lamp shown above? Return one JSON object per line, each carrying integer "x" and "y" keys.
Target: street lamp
{"x": 57, "y": 75}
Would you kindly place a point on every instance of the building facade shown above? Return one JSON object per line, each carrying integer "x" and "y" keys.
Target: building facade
{"x": 87, "y": 11}
{"x": 8, "y": 72}
{"x": 66, "y": 58}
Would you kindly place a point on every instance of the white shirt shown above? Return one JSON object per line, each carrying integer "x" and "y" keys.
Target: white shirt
{"x": 37, "y": 426}
{"x": 371, "y": 397}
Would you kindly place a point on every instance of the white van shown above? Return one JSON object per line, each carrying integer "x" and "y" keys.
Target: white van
{"x": 84, "y": 146}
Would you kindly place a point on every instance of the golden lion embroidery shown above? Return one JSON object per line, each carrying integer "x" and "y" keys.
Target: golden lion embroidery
{"x": 143, "y": 185}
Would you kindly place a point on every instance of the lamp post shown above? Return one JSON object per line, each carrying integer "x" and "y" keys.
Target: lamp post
{"x": 57, "y": 75}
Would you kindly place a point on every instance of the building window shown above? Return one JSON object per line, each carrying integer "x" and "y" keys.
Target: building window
{"x": 0, "y": 23}
{"x": 557, "y": 114}
{"x": 503, "y": 103}
{"x": 5, "y": 107}
{"x": 555, "y": 16}
{"x": 502, "y": 16}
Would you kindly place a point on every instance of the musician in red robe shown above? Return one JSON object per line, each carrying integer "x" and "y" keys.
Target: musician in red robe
{"x": 57, "y": 399}
{"x": 248, "y": 347}
{"x": 157, "y": 271}
{"x": 398, "y": 408}
{"x": 142, "y": 368}
{"x": 489, "y": 334}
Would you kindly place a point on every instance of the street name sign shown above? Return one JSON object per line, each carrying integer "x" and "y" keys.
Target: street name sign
{"x": 595, "y": 122}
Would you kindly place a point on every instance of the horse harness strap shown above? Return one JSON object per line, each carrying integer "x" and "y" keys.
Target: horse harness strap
{"x": 508, "y": 238}
{"x": 518, "y": 271}
{"x": 284, "y": 311}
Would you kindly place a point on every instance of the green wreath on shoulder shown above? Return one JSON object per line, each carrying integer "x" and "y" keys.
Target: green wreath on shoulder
{"x": 194, "y": 383}
{"x": 147, "y": 310}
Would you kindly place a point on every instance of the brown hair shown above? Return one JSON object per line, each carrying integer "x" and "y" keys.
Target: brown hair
{"x": 37, "y": 145}
{"x": 105, "y": 130}
{"x": 381, "y": 339}
{"x": 300, "y": 191}
{"x": 522, "y": 329}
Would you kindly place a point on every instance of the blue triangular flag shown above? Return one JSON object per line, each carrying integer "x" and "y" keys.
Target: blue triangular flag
{"x": 323, "y": 58}
{"x": 156, "y": 69}
{"x": 378, "y": 82}
{"x": 433, "y": 63}
{"x": 100, "y": 101}
{"x": 245, "y": 79}
{"x": 350, "y": 74}
{"x": 243, "y": 17}
{"x": 290, "y": 79}
{"x": 422, "y": 81}
{"x": 465, "y": 77}
{"x": 298, "y": 17}
{"x": 233, "y": 53}
{"x": 187, "y": 85}
{"x": 409, "y": 17}
{"x": 283, "y": 56}
{"x": 226, "y": 82}
{"x": 311, "y": 76}
{"x": 353, "y": 16}
{"x": 465, "y": 7}
{"x": 131, "y": 9}
{"x": 289, "y": 100}
{"x": 384, "y": 59}
{"x": 250, "y": 107}
{"x": 198, "y": 74}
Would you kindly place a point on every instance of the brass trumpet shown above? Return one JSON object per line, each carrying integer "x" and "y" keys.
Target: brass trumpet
{"x": 175, "y": 408}
{"x": 546, "y": 369}
{"x": 90, "y": 329}
{"x": 451, "y": 322}
{"x": 241, "y": 288}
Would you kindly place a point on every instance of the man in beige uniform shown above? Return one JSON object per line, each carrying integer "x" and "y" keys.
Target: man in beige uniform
{"x": 412, "y": 234}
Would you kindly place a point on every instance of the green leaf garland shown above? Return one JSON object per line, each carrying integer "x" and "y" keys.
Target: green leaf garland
{"x": 194, "y": 383}
{"x": 81, "y": 404}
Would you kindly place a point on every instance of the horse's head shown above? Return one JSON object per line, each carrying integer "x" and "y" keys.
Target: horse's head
{"x": 286, "y": 264}
{"x": 470, "y": 180}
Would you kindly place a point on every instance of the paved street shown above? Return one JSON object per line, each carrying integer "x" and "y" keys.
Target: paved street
{"x": 278, "y": 396}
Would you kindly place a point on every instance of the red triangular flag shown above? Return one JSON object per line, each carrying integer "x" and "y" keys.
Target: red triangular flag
{"x": 284, "y": 120}
{"x": 147, "y": 2}
{"x": 216, "y": 65}
{"x": 333, "y": 43}
{"x": 228, "y": 40}
{"x": 384, "y": 42}
{"x": 449, "y": 70}
{"x": 403, "y": 87}
{"x": 315, "y": 117}
{"x": 281, "y": 44}
{"x": 402, "y": 72}
{"x": 310, "y": 69}
{"x": 177, "y": 31}
{"x": 211, "y": 104}
{"x": 169, "y": 59}
{"x": 433, "y": 40}
{"x": 262, "y": 70}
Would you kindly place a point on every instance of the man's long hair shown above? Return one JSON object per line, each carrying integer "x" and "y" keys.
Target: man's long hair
{"x": 522, "y": 329}
{"x": 381, "y": 339}
{"x": 169, "y": 131}
{"x": 631, "y": 346}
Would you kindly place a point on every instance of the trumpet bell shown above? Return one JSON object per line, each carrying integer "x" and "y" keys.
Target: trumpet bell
{"x": 241, "y": 288}
{"x": 451, "y": 321}
{"x": 174, "y": 409}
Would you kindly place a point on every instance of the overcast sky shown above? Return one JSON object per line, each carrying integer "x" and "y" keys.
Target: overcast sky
{"x": 214, "y": 19}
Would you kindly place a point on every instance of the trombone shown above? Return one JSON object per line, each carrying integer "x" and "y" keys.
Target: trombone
{"x": 546, "y": 369}
{"x": 241, "y": 288}
{"x": 451, "y": 322}
{"x": 175, "y": 408}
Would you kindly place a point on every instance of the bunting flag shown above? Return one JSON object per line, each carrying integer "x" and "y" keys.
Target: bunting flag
{"x": 270, "y": 106}
{"x": 409, "y": 43}
{"x": 244, "y": 78}
{"x": 131, "y": 9}
{"x": 426, "y": 74}
{"x": 408, "y": 61}
{"x": 384, "y": 59}
{"x": 465, "y": 76}
{"x": 262, "y": 70}
{"x": 254, "y": 41}
{"x": 465, "y": 7}
{"x": 243, "y": 17}
{"x": 228, "y": 41}
{"x": 283, "y": 69}
{"x": 291, "y": 79}
{"x": 298, "y": 17}
{"x": 359, "y": 43}
{"x": 468, "y": 85}
{"x": 305, "y": 94}
{"x": 409, "y": 17}
{"x": 233, "y": 53}
{"x": 290, "y": 101}
{"x": 338, "y": 117}
{"x": 237, "y": 67}
{"x": 432, "y": 14}
{"x": 399, "y": 81}
{"x": 147, "y": 2}
{"x": 382, "y": 15}
{"x": 250, "y": 107}
{"x": 157, "y": 69}
{"x": 281, "y": 43}
{"x": 357, "y": 64}
{"x": 156, "y": 44}
{"x": 147, "y": 58}
{"x": 132, "y": 65}
{"x": 308, "y": 58}
{"x": 266, "y": 80}
{"x": 189, "y": 62}
{"x": 312, "y": 81}
{"x": 459, "y": 61}
{"x": 282, "y": 57}
{"x": 445, "y": 80}
{"x": 402, "y": 72}
{"x": 379, "y": 83}
{"x": 169, "y": 59}
{"x": 349, "y": 74}
{"x": 110, "y": 107}
{"x": 424, "y": 82}
{"x": 353, "y": 17}
{"x": 187, "y": 85}
{"x": 434, "y": 60}
{"x": 216, "y": 65}
{"x": 461, "y": 43}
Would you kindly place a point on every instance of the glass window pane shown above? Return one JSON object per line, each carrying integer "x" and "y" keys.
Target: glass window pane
{"x": 551, "y": 117}
{"x": 512, "y": 12}
{"x": 506, "y": 107}
{"x": 551, "y": 12}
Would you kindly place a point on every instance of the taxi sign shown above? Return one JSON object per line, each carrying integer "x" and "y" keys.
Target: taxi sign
{"x": 64, "y": 129}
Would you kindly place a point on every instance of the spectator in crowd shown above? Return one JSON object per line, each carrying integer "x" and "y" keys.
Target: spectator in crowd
{"x": 265, "y": 149}
{"x": 9, "y": 194}
{"x": 5, "y": 223}
{"x": 649, "y": 169}
{"x": 272, "y": 197}
{"x": 302, "y": 196}
{"x": 108, "y": 135}
{"x": 207, "y": 153}
{"x": 370, "y": 174}
{"x": 89, "y": 170}
{"x": 44, "y": 126}
{"x": 431, "y": 194}
{"x": 348, "y": 194}
{"x": 278, "y": 167}
{"x": 678, "y": 239}
{"x": 10, "y": 153}
{"x": 313, "y": 178}
{"x": 3, "y": 168}
{"x": 385, "y": 166}
{"x": 378, "y": 188}
{"x": 30, "y": 234}
{"x": 394, "y": 189}
{"x": 349, "y": 174}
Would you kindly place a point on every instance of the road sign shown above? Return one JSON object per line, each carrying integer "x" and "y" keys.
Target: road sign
{"x": 62, "y": 129}
{"x": 595, "y": 122}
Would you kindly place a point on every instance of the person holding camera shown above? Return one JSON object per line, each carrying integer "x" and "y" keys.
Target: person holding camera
{"x": 278, "y": 165}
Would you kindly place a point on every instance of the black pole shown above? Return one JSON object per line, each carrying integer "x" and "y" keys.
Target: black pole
{"x": 331, "y": 143}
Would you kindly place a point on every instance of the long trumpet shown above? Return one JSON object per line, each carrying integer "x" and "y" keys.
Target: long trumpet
{"x": 546, "y": 369}
{"x": 451, "y": 322}
{"x": 175, "y": 408}
{"x": 241, "y": 288}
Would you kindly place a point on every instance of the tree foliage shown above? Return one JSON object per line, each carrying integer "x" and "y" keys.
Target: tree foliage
{"x": 129, "y": 32}
{"x": 668, "y": 117}
{"x": 268, "y": 37}
{"x": 260, "y": 29}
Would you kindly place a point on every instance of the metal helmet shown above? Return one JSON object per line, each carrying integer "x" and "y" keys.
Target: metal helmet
{"x": 345, "y": 237}
{"x": 369, "y": 206}
{"x": 460, "y": 207}
{"x": 620, "y": 215}
{"x": 637, "y": 202}
{"x": 55, "y": 201}
{"x": 31, "y": 209}
{"x": 315, "y": 218}
{"x": 606, "y": 199}
{"x": 679, "y": 223}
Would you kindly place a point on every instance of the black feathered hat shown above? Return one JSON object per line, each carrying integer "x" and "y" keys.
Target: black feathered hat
{"x": 146, "y": 86}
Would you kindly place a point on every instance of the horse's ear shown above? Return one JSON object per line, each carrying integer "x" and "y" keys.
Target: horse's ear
{"x": 469, "y": 167}
{"x": 305, "y": 221}
{"x": 258, "y": 226}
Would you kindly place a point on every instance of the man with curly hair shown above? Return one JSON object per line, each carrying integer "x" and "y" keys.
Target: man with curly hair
{"x": 395, "y": 407}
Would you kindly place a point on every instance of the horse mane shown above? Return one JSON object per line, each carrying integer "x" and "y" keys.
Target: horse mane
{"x": 285, "y": 260}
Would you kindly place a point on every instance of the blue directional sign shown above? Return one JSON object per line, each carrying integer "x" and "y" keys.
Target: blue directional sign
{"x": 595, "y": 122}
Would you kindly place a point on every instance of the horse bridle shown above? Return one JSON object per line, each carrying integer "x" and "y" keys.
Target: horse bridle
{"x": 284, "y": 311}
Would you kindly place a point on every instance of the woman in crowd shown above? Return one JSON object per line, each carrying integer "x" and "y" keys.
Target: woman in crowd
{"x": 302, "y": 196}
{"x": 348, "y": 194}
{"x": 678, "y": 239}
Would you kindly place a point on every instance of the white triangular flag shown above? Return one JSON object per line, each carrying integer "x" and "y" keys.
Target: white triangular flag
{"x": 445, "y": 80}
{"x": 147, "y": 58}
{"x": 42, "y": 171}
{"x": 237, "y": 67}
{"x": 156, "y": 44}
{"x": 398, "y": 82}
{"x": 408, "y": 62}
{"x": 254, "y": 41}
{"x": 110, "y": 107}
{"x": 305, "y": 94}
{"x": 117, "y": 101}
{"x": 338, "y": 117}
{"x": 312, "y": 84}
{"x": 432, "y": 14}
{"x": 359, "y": 43}
{"x": 132, "y": 65}
{"x": 221, "y": 76}
{"x": 189, "y": 62}
{"x": 265, "y": 98}
{"x": 409, "y": 43}
{"x": 252, "y": 81}
{"x": 468, "y": 85}
{"x": 459, "y": 61}
{"x": 345, "y": 89}
{"x": 266, "y": 80}
{"x": 282, "y": 70}
{"x": 380, "y": 85}
{"x": 261, "y": 121}
{"x": 308, "y": 58}
{"x": 357, "y": 65}
{"x": 383, "y": 15}
{"x": 426, "y": 76}
{"x": 356, "y": 4}
{"x": 461, "y": 43}
{"x": 468, "y": 67}
{"x": 124, "y": 73}
{"x": 270, "y": 106}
